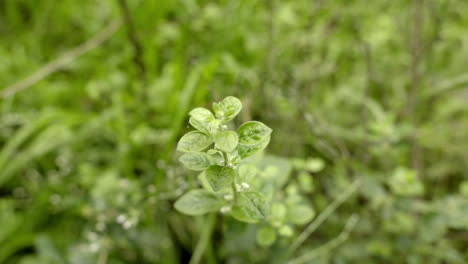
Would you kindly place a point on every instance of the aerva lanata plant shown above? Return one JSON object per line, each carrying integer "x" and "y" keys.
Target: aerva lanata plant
{"x": 216, "y": 151}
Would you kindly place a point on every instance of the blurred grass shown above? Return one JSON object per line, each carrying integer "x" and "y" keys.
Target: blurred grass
{"x": 370, "y": 87}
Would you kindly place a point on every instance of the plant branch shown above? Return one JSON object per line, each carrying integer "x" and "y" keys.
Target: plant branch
{"x": 133, "y": 39}
{"x": 342, "y": 237}
{"x": 204, "y": 239}
{"x": 323, "y": 216}
{"x": 67, "y": 58}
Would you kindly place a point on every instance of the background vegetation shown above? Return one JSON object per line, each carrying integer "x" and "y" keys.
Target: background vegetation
{"x": 376, "y": 91}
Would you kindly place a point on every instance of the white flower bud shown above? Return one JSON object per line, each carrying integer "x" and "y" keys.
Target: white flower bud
{"x": 127, "y": 224}
{"x": 225, "y": 209}
{"x": 94, "y": 247}
{"x": 121, "y": 218}
{"x": 228, "y": 197}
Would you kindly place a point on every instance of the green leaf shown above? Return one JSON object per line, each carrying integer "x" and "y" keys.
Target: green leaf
{"x": 193, "y": 142}
{"x": 286, "y": 231}
{"x": 250, "y": 207}
{"x": 248, "y": 150}
{"x": 314, "y": 165}
{"x": 203, "y": 120}
{"x": 204, "y": 182}
{"x": 253, "y": 133}
{"x": 299, "y": 214}
{"x": 201, "y": 114}
{"x": 266, "y": 236}
{"x": 306, "y": 184}
{"x": 228, "y": 108}
{"x": 275, "y": 169}
{"x": 201, "y": 126}
{"x": 220, "y": 177}
{"x": 247, "y": 172}
{"x": 198, "y": 202}
{"x": 406, "y": 182}
{"x": 226, "y": 141}
{"x": 212, "y": 152}
{"x": 277, "y": 214}
{"x": 197, "y": 161}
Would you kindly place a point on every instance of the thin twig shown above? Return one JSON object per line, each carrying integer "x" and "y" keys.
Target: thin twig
{"x": 67, "y": 58}
{"x": 323, "y": 216}
{"x": 342, "y": 237}
{"x": 133, "y": 38}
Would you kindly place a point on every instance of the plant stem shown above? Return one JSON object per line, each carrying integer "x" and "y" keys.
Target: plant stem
{"x": 342, "y": 237}
{"x": 226, "y": 159}
{"x": 234, "y": 191}
{"x": 103, "y": 255}
{"x": 233, "y": 185}
{"x": 323, "y": 216}
{"x": 204, "y": 239}
{"x": 133, "y": 39}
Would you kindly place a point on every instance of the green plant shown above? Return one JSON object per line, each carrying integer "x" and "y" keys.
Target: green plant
{"x": 224, "y": 180}
{"x": 88, "y": 165}
{"x": 236, "y": 183}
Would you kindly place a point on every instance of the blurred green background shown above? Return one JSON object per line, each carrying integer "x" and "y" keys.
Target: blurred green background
{"x": 377, "y": 90}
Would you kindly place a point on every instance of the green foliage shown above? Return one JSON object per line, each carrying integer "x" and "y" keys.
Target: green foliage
{"x": 237, "y": 186}
{"x": 197, "y": 161}
{"x": 203, "y": 120}
{"x": 198, "y": 202}
{"x": 406, "y": 183}
{"x": 299, "y": 214}
{"x": 266, "y": 236}
{"x": 226, "y": 141}
{"x": 194, "y": 141}
{"x": 227, "y": 109}
{"x": 248, "y": 206}
{"x": 253, "y": 133}
{"x": 368, "y": 90}
{"x": 220, "y": 177}
{"x": 248, "y": 150}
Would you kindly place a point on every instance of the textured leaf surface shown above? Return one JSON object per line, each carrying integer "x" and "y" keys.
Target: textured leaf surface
{"x": 203, "y": 120}
{"x": 251, "y": 207}
{"x": 197, "y": 161}
{"x": 226, "y": 140}
{"x": 220, "y": 177}
{"x": 253, "y": 133}
{"x": 228, "y": 108}
{"x": 202, "y": 114}
{"x": 248, "y": 150}
{"x": 193, "y": 142}
{"x": 198, "y": 202}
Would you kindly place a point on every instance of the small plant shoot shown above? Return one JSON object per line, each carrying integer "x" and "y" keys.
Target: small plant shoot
{"x": 255, "y": 190}
{"x": 218, "y": 153}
